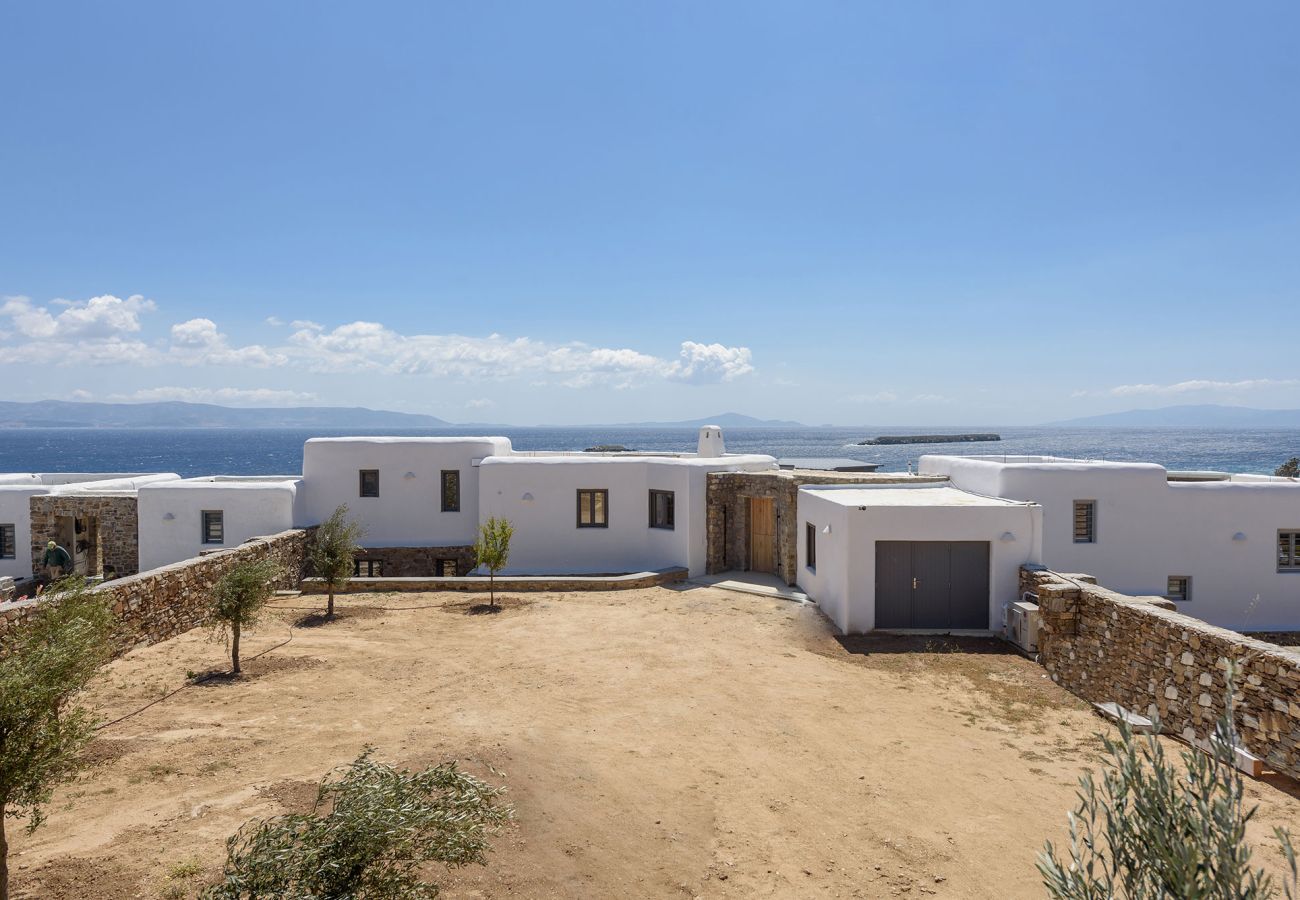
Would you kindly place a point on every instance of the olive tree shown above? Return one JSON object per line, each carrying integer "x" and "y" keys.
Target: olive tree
{"x": 43, "y": 729}
{"x": 1290, "y": 468}
{"x": 492, "y": 549}
{"x": 333, "y": 552}
{"x": 237, "y": 601}
{"x": 370, "y": 831}
{"x": 1155, "y": 829}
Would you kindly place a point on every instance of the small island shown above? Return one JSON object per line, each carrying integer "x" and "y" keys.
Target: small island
{"x": 889, "y": 439}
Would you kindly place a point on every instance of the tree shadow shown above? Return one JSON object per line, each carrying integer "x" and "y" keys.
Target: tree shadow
{"x": 881, "y": 644}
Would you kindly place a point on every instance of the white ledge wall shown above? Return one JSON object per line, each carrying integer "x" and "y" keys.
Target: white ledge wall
{"x": 1149, "y": 528}
{"x": 539, "y": 496}
{"x": 249, "y": 509}
{"x": 408, "y": 510}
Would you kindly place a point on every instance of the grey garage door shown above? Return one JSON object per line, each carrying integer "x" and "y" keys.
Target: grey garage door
{"x": 932, "y": 584}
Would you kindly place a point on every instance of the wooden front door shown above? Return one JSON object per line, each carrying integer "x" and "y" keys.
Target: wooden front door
{"x": 762, "y": 534}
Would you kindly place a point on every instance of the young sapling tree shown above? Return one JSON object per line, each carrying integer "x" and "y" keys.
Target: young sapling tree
{"x": 333, "y": 552}
{"x": 238, "y": 599}
{"x": 43, "y": 730}
{"x": 492, "y": 550}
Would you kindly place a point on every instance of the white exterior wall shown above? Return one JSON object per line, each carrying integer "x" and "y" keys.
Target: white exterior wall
{"x": 844, "y": 584}
{"x": 408, "y": 510}
{"x": 16, "y": 510}
{"x": 1148, "y": 529}
{"x": 539, "y": 495}
{"x": 249, "y": 509}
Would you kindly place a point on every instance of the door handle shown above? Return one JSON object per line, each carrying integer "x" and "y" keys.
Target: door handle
{"x": 913, "y": 583}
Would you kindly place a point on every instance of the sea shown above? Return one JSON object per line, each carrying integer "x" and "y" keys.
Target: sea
{"x": 278, "y": 451}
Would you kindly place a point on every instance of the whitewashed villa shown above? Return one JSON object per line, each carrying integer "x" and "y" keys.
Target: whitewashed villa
{"x": 940, "y": 549}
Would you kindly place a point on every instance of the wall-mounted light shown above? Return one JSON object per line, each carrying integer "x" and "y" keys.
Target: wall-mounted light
{"x": 1008, "y": 536}
{"x": 826, "y": 530}
{"x": 409, "y": 475}
{"x": 527, "y": 497}
{"x": 1239, "y": 536}
{"x": 168, "y": 517}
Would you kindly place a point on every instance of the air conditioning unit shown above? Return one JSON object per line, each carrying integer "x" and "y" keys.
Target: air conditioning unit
{"x": 1022, "y": 625}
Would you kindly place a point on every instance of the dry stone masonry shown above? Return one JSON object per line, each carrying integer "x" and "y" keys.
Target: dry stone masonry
{"x": 1142, "y": 654}
{"x": 162, "y": 603}
{"x": 111, "y": 522}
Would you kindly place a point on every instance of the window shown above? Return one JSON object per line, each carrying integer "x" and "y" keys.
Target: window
{"x": 446, "y": 568}
{"x": 214, "y": 526}
{"x": 8, "y": 542}
{"x": 450, "y": 490}
{"x": 1288, "y": 551}
{"x": 1085, "y": 521}
{"x": 1180, "y": 588}
{"x": 369, "y": 482}
{"x": 593, "y": 508}
{"x": 661, "y": 509}
{"x": 368, "y": 568}
{"x": 810, "y": 544}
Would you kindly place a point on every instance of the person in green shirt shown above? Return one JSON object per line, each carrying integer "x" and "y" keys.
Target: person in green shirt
{"x": 56, "y": 561}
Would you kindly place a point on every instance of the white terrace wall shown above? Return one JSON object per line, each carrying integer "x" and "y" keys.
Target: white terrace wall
{"x": 157, "y": 605}
{"x": 408, "y": 511}
{"x": 1109, "y": 647}
{"x": 171, "y": 515}
{"x": 1223, "y": 535}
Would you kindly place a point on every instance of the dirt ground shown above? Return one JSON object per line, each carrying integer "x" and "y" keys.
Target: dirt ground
{"x": 656, "y": 743}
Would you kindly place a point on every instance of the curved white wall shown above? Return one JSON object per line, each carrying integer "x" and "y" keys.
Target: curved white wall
{"x": 408, "y": 510}
{"x": 249, "y": 509}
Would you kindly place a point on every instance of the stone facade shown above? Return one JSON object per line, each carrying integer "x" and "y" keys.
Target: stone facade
{"x": 162, "y": 603}
{"x": 1153, "y": 660}
{"x": 420, "y": 562}
{"x": 728, "y": 498}
{"x": 111, "y": 529}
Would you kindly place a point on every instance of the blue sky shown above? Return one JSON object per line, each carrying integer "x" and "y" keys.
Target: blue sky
{"x": 853, "y": 213}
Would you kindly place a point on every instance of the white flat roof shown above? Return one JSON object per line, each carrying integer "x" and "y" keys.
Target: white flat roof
{"x": 398, "y": 439}
{"x": 578, "y": 457}
{"x": 905, "y": 495}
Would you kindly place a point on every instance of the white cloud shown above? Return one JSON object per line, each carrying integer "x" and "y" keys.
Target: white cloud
{"x": 227, "y": 395}
{"x": 878, "y": 397}
{"x": 99, "y": 318}
{"x": 198, "y": 342}
{"x": 710, "y": 363}
{"x": 1193, "y": 386}
{"x": 481, "y": 403}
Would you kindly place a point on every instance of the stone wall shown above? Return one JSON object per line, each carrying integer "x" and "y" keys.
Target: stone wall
{"x": 1153, "y": 660}
{"x": 162, "y": 603}
{"x": 728, "y": 497}
{"x": 112, "y": 529}
{"x": 420, "y": 562}
{"x": 480, "y": 583}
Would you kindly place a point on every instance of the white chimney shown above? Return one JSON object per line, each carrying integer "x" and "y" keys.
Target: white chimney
{"x": 711, "y": 445}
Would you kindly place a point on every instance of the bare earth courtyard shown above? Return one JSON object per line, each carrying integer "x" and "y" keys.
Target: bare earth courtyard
{"x": 655, "y": 743}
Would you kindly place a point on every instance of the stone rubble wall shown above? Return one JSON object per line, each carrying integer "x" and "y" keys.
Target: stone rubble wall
{"x": 1147, "y": 657}
{"x": 515, "y": 583}
{"x": 162, "y": 603}
{"x": 420, "y": 562}
{"x": 113, "y": 528}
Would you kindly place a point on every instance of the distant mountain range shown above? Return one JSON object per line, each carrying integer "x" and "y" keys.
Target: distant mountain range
{"x": 1192, "y": 416}
{"x": 177, "y": 414}
{"x": 725, "y": 420}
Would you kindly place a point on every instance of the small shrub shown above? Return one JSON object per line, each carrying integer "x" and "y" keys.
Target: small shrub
{"x": 1153, "y": 829}
{"x": 238, "y": 599}
{"x": 492, "y": 549}
{"x": 333, "y": 552}
{"x": 371, "y": 829}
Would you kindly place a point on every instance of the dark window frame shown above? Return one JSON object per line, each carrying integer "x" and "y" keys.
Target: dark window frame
{"x": 810, "y": 546}
{"x": 374, "y": 568}
{"x": 1090, "y": 537}
{"x": 8, "y": 541}
{"x": 604, "y": 507}
{"x": 439, "y": 565}
{"x": 206, "y": 519}
{"x": 361, "y": 485}
{"x": 669, "y": 520}
{"x": 1185, "y": 595}
{"x": 442, "y": 489}
{"x": 1291, "y": 536}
